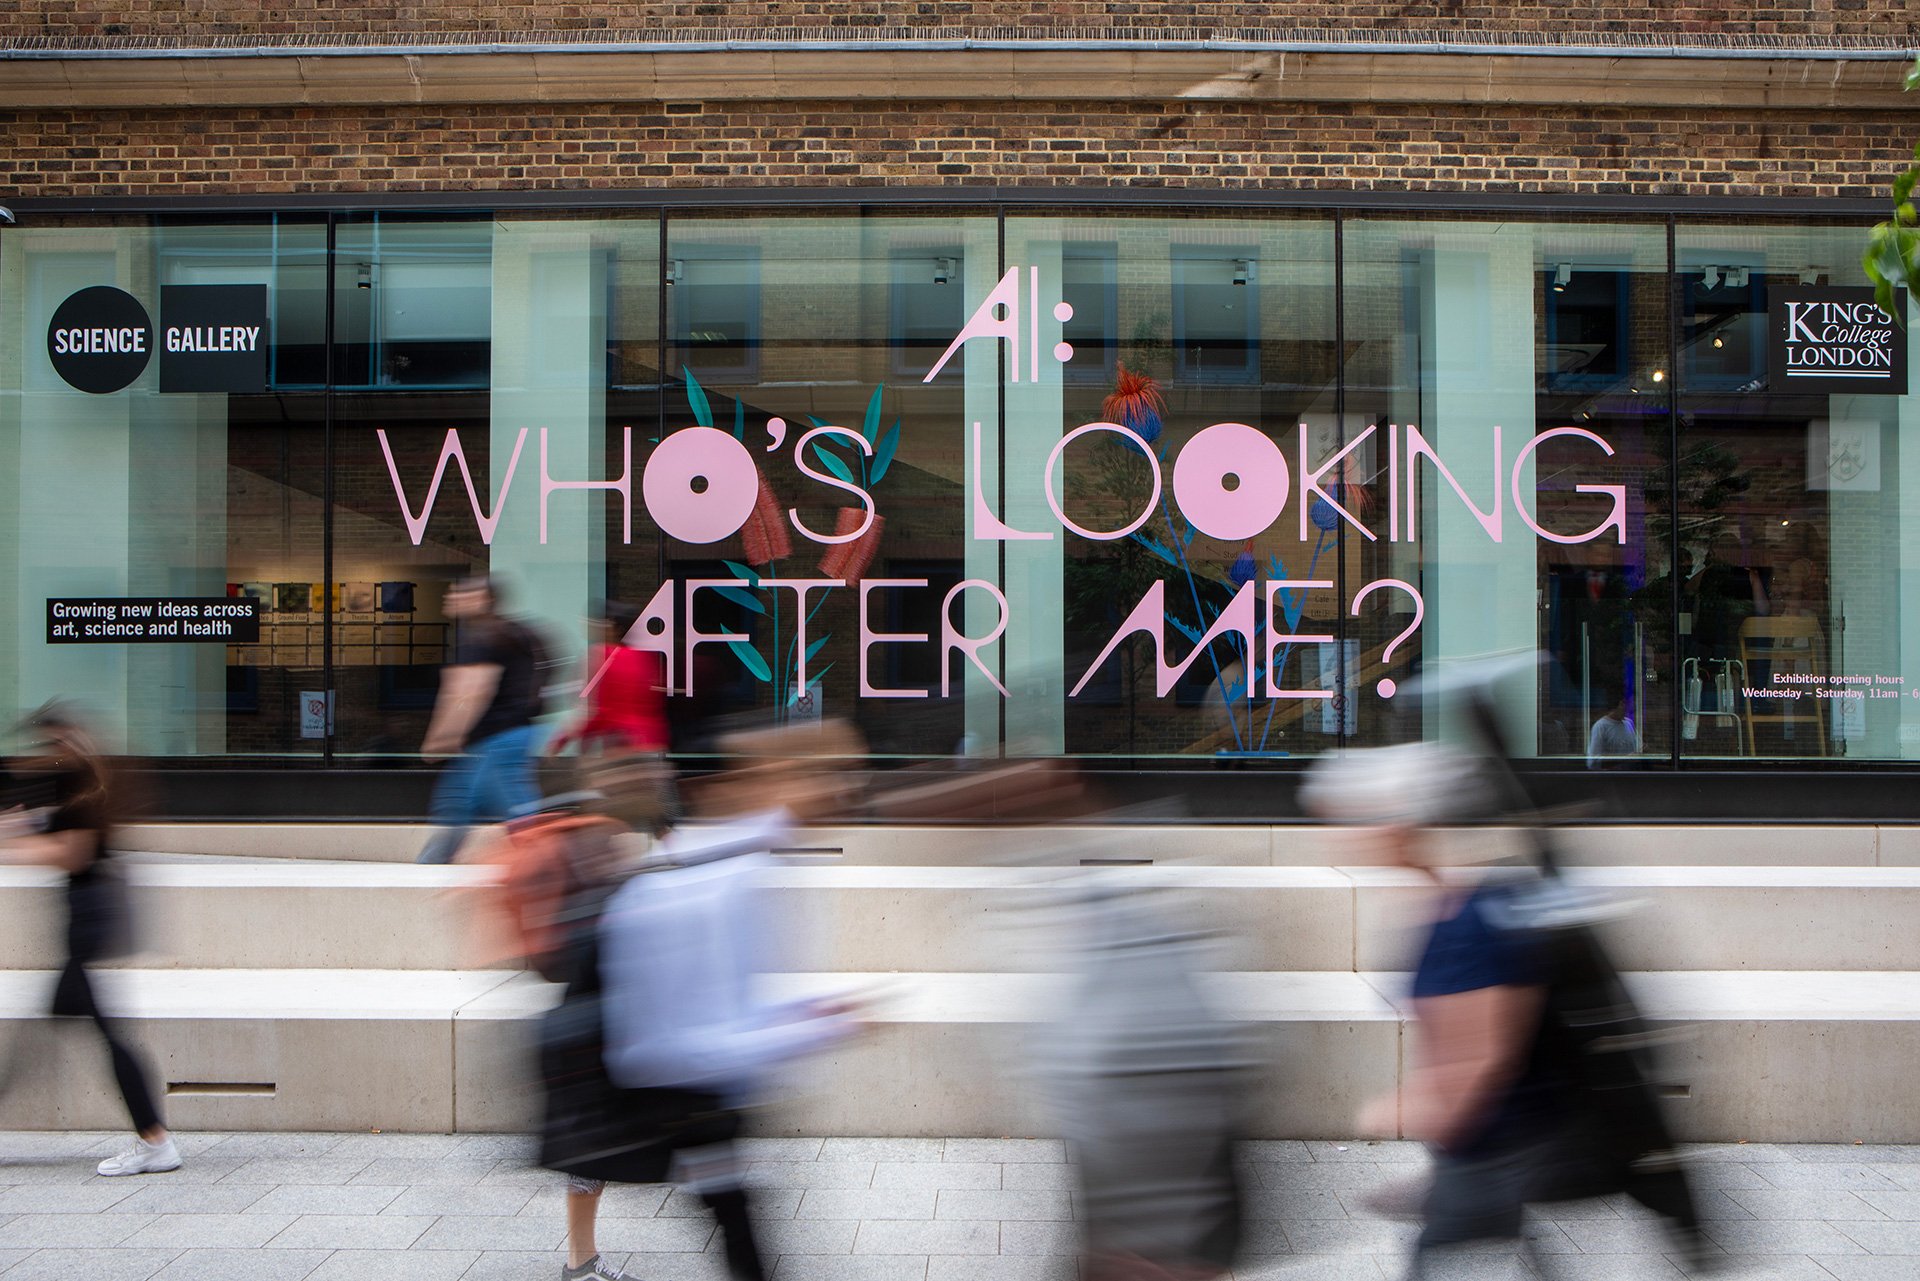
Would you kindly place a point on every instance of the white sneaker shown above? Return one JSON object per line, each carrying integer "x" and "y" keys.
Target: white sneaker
{"x": 142, "y": 1158}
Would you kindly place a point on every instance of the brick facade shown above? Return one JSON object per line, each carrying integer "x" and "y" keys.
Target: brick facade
{"x": 174, "y": 21}
{"x": 716, "y": 145}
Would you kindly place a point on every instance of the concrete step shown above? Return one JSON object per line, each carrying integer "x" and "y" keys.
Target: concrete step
{"x": 1299, "y": 845}
{"x": 1768, "y": 1056}
{"x": 211, "y": 914}
{"x": 275, "y": 915}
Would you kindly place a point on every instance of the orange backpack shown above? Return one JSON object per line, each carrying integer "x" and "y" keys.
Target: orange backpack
{"x": 538, "y": 860}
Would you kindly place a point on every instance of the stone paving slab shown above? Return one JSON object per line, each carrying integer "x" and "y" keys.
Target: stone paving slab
{"x": 410, "y": 1207}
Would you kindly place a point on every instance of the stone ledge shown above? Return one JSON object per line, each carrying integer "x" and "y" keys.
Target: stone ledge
{"x": 1766, "y": 1056}
{"x": 1773, "y": 78}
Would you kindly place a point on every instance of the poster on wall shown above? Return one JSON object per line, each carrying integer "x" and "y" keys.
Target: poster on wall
{"x": 316, "y": 713}
{"x": 1827, "y": 340}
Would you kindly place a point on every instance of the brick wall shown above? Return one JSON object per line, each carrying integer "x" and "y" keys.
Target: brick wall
{"x": 1441, "y": 148}
{"x": 212, "y": 20}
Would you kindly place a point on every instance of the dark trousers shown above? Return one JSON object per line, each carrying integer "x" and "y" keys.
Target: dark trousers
{"x": 736, "y": 1233}
{"x": 73, "y": 995}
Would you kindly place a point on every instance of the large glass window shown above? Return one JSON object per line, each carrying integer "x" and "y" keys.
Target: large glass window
{"x": 1796, "y": 518}
{"x": 130, "y": 493}
{"x": 1137, "y": 487}
{"x": 1509, "y": 381}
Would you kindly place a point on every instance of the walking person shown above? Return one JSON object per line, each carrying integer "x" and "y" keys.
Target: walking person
{"x": 483, "y": 718}
{"x": 1529, "y": 1079}
{"x": 663, "y": 1037}
{"x": 72, "y": 833}
{"x": 623, "y": 733}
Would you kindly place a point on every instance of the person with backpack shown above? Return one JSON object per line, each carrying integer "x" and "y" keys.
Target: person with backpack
{"x": 686, "y": 1035}
{"x": 1529, "y": 1079}
{"x": 554, "y": 868}
{"x": 68, "y": 826}
{"x": 623, "y": 731}
{"x": 484, "y": 717}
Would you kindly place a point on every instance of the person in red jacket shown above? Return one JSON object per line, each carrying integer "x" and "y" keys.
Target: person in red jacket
{"x": 622, "y": 732}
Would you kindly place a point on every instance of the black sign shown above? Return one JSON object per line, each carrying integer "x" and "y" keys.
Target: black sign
{"x": 118, "y": 620}
{"x": 100, "y": 339}
{"x": 213, "y": 338}
{"x": 1829, "y": 340}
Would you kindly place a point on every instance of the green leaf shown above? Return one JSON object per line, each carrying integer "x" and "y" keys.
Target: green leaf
{"x": 1913, "y": 77}
{"x": 884, "y": 451}
{"x": 1903, "y": 185}
{"x": 697, "y": 398}
{"x": 741, "y": 571}
{"x": 750, "y": 659}
{"x": 871, "y": 428}
{"x": 817, "y": 645}
{"x": 743, "y": 598}
{"x": 1882, "y": 287}
{"x": 740, "y": 420}
{"x": 833, "y": 462}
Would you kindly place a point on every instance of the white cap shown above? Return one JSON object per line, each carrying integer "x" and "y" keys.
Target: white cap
{"x": 1412, "y": 784}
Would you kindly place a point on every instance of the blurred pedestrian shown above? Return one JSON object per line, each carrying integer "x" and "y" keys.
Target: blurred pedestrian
{"x": 664, "y": 1035}
{"x": 623, "y": 733}
{"x": 556, "y": 868}
{"x": 1528, "y": 1079}
{"x": 1150, "y": 1085}
{"x": 71, "y": 831}
{"x": 489, "y": 698}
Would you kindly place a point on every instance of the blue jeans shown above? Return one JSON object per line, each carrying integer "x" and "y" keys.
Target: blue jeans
{"x": 487, "y": 782}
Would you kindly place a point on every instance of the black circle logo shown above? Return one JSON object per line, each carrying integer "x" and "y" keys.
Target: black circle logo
{"x": 100, "y": 339}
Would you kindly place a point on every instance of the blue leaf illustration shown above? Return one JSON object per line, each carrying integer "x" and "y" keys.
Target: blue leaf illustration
{"x": 883, "y": 453}
{"x": 741, "y": 571}
{"x": 743, "y": 598}
{"x": 1191, "y": 633}
{"x": 871, "y": 428}
{"x": 1158, "y": 549}
{"x": 750, "y": 659}
{"x": 815, "y": 647}
{"x": 697, "y": 399}
{"x": 833, "y": 462}
{"x": 740, "y": 420}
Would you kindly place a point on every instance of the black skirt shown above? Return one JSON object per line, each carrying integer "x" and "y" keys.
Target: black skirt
{"x": 595, "y": 1129}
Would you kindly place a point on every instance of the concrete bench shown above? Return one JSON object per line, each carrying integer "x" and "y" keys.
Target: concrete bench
{"x": 1768, "y": 1056}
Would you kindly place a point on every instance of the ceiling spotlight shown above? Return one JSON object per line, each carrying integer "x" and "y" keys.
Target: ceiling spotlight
{"x": 1810, "y": 275}
{"x": 942, "y": 270}
{"x": 1718, "y": 341}
{"x": 1242, "y": 271}
{"x": 1710, "y": 278}
{"x": 1659, "y": 375}
{"x": 1737, "y": 277}
{"x": 1562, "y": 276}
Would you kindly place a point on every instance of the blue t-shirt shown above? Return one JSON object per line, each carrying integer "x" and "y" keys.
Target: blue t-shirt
{"x": 1478, "y": 948}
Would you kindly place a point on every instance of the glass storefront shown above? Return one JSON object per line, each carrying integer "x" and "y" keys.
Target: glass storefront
{"x": 1149, "y": 487}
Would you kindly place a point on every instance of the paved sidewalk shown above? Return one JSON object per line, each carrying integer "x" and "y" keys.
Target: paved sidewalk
{"x": 378, "y": 1207}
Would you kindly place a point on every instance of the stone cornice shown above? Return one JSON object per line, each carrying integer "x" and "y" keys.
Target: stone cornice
{"x": 1039, "y": 72}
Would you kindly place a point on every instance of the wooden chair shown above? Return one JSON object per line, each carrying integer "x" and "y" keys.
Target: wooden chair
{"x": 1793, "y": 645}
